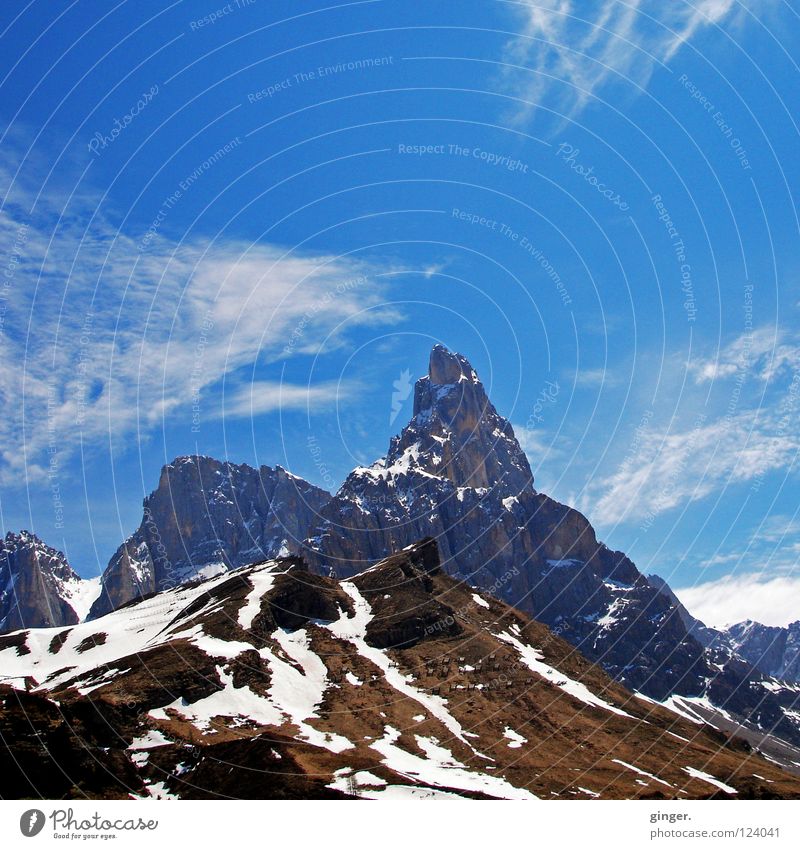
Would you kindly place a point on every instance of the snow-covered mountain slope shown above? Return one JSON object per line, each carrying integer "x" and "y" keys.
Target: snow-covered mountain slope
{"x": 204, "y": 518}
{"x": 38, "y": 587}
{"x": 400, "y": 682}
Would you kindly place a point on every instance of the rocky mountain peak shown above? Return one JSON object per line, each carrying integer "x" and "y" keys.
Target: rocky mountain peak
{"x": 446, "y": 367}
{"x": 207, "y": 516}
{"x": 457, "y": 434}
{"x": 38, "y": 588}
{"x": 450, "y": 378}
{"x": 19, "y": 548}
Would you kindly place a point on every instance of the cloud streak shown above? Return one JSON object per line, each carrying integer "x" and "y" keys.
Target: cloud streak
{"x": 104, "y": 342}
{"x": 575, "y": 49}
{"x": 764, "y": 353}
{"x": 670, "y": 468}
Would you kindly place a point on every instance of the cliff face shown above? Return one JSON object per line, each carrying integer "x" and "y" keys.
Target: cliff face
{"x": 37, "y": 584}
{"x": 773, "y": 650}
{"x": 205, "y": 517}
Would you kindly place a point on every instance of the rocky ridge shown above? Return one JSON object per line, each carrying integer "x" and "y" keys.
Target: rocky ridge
{"x": 204, "y": 518}
{"x": 38, "y": 588}
{"x": 271, "y": 681}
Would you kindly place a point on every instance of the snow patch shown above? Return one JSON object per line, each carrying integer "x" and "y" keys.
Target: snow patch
{"x": 532, "y": 658}
{"x": 516, "y": 740}
{"x": 704, "y": 776}
{"x": 636, "y": 769}
{"x": 441, "y": 769}
{"x": 262, "y": 582}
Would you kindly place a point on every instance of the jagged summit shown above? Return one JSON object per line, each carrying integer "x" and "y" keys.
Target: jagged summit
{"x": 207, "y": 516}
{"x": 38, "y": 588}
{"x": 449, "y": 376}
{"x": 456, "y": 433}
{"x": 446, "y": 368}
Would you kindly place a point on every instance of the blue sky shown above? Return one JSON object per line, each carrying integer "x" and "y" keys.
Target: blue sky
{"x": 227, "y": 228}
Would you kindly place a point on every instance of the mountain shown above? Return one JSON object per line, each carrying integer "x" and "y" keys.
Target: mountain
{"x": 774, "y": 651}
{"x": 456, "y": 472}
{"x": 205, "y": 517}
{"x": 271, "y": 681}
{"x": 39, "y": 588}
{"x": 702, "y": 633}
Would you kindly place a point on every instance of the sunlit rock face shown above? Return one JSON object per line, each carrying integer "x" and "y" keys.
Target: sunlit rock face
{"x": 205, "y": 517}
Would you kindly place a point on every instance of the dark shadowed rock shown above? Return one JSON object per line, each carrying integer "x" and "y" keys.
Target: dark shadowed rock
{"x": 773, "y": 650}
{"x": 37, "y": 584}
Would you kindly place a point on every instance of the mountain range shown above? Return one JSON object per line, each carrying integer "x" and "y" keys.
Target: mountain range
{"x": 456, "y": 473}
{"x": 272, "y": 681}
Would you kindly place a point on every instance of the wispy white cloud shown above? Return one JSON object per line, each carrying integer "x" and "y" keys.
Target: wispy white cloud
{"x": 763, "y": 353}
{"x": 264, "y": 396}
{"x": 594, "y": 378}
{"x": 534, "y": 443}
{"x": 576, "y": 47}
{"x": 771, "y": 601}
{"x": 670, "y": 468}
{"x": 103, "y": 341}
{"x": 773, "y": 544}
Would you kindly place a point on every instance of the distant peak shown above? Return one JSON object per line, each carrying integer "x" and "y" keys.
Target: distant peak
{"x": 24, "y": 537}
